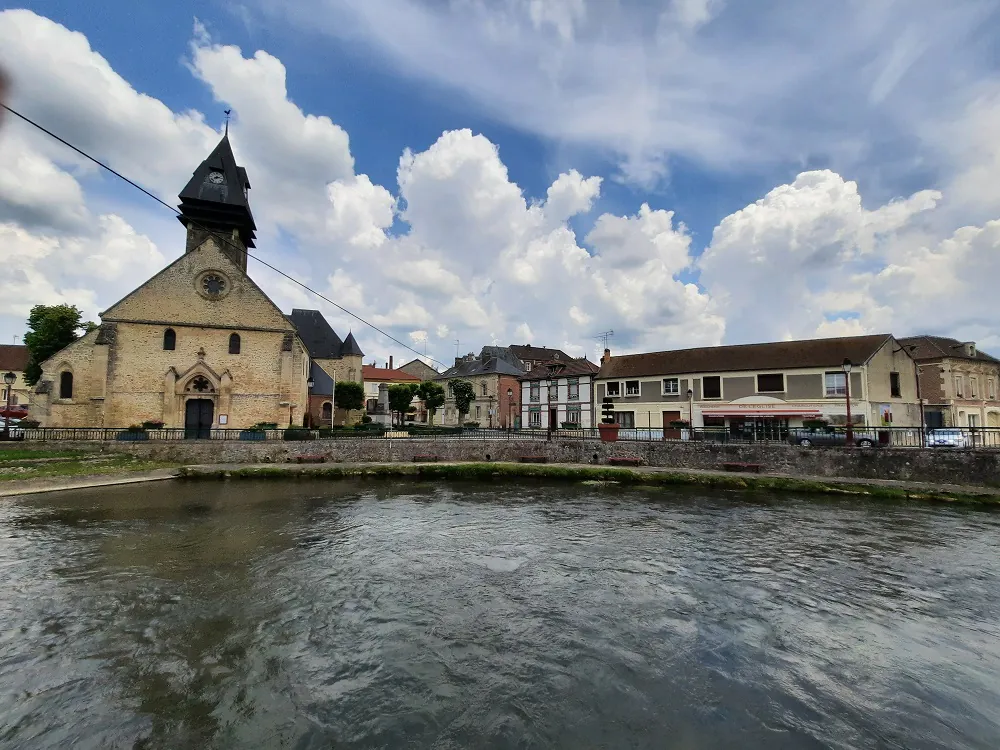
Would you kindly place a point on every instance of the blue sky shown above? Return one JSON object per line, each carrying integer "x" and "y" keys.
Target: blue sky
{"x": 829, "y": 169}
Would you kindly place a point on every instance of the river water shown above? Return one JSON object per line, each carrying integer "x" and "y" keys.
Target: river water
{"x": 352, "y": 615}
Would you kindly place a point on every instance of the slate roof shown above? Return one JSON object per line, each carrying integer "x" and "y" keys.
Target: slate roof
{"x": 351, "y": 346}
{"x": 492, "y": 360}
{"x": 779, "y": 355}
{"x": 372, "y": 374}
{"x": 528, "y": 353}
{"x": 936, "y": 347}
{"x": 320, "y": 340}
{"x": 223, "y": 205}
{"x": 561, "y": 368}
{"x": 13, "y": 357}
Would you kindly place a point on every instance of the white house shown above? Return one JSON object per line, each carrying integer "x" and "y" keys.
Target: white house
{"x": 558, "y": 392}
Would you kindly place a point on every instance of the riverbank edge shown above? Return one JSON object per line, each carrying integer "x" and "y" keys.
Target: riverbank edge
{"x": 480, "y": 471}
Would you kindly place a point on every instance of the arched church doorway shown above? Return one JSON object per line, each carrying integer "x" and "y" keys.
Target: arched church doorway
{"x": 199, "y": 413}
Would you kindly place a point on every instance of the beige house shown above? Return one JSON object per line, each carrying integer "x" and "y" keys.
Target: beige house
{"x": 14, "y": 358}
{"x": 960, "y": 384}
{"x": 764, "y": 389}
{"x": 494, "y": 376}
{"x": 199, "y": 345}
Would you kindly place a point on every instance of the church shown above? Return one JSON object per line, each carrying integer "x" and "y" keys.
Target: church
{"x": 199, "y": 345}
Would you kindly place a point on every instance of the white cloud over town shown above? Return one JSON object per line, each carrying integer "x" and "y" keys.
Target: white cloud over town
{"x": 456, "y": 249}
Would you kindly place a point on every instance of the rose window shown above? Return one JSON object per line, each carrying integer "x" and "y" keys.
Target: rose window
{"x": 200, "y": 384}
{"x": 213, "y": 284}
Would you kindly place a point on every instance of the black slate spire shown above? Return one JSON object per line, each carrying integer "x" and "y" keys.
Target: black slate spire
{"x": 216, "y": 201}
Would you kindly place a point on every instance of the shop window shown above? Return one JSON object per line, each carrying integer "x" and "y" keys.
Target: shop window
{"x": 625, "y": 419}
{"x": 169, "y": 340}
{"x": 771, "y": 383}
{"x": 894, "y": 389}
{"x": 711, "y": 387}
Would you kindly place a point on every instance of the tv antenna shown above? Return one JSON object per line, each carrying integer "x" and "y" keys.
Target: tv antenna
{"x": 604, "y": 336}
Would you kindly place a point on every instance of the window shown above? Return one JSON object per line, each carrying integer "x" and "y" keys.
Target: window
{"x": 479, "y": 412}
{"x": 974, "y": 387}
{"x": 234, "y": 343}
{"x": 836, "y": 384}
{"x": 671, "y": 386}
{"x": 553, "y": 393}
{"x": 771, "y": 383}
{"x": 66, "y": 385}
{"x": 894, "y": 390}
{"x": 535, "y": 393}
{"x": 991, "y": 389}
{"x": 482, "y": 387}
{"x": 574, "y": 390}
{"x": 959, "y": 390}
{"x": 631, "y": 387}
{"x": 625, "y": 419}
{"x": 614, "y": 389}
{"x": 327, "y": 411}
{"x": 169, "y": 340}
{"x": 573, "y": 414}
{"x": 711, "y": 387}
{"x": 527, "y": 366}
{"x": 535, "y": 418}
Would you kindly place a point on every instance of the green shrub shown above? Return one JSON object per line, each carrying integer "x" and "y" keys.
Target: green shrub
{"x": 473, "y": 425}
{"x": 571, "y": 425}
{"x": 295, "y": 433}
{"x": 260, "y": 426}
{"x": 153, "y": 424}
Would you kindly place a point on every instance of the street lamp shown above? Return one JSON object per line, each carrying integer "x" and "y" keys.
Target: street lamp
{"x": 8, "y": 379}
{"x": 849, "y": 437}
{"x": 510, "y": 408}
{"x": 310, "y": 382}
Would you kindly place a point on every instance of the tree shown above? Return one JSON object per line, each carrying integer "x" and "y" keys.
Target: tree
{"x": 400, "y": 398}
{"x": 349, "y": 395}
{"x": 464, "y": 394}
{"x": 50, "y": 329}
{"x": 432, "y": 394}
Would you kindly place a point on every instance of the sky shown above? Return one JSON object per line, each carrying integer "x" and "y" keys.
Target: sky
{"x": 462, "y": 173}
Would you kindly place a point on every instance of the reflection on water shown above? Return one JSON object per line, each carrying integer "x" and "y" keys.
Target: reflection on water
{"x": 392, "y": 615}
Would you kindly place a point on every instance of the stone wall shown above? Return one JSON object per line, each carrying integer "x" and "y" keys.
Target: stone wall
{"x": 941, "y": 466}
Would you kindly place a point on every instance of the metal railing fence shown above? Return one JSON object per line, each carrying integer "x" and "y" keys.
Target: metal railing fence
{"x": 874, "y": 437}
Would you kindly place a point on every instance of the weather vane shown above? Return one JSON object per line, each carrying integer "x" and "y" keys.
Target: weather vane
{"x": 228, "y": 112}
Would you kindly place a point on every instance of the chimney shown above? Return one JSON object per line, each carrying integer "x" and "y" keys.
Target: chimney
{"x": 607, "y": 356}
{"x": 390, "y": 361}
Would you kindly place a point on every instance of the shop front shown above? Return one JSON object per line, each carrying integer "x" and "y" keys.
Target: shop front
{"x": 759, "y": 419}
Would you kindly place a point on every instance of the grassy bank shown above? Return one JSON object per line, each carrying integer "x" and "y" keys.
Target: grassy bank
{"x": 665, "y": 478}
{"x": 74, "y": 466}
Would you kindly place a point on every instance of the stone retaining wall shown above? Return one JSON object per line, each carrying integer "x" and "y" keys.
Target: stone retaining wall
{"x": 943, "y": 466}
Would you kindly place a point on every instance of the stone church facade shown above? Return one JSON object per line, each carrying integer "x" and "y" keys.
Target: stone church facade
{"x": 199, "y": 345}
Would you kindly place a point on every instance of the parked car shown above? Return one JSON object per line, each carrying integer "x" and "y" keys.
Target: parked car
{"x": 16, "y": 433}
{"x": 949, "y": 438}
{"x": 830, "y": 436}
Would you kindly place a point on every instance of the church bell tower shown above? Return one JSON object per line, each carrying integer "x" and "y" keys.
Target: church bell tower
{"x": 216, "y": 201}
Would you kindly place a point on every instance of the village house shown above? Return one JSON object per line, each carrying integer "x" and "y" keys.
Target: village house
{"x": 331, "y": 360}
{"x": 14, "y": 358}
{"x": 377, "y": 382}
{"x": 558, "y": 393}
{"x": 762, "y": 390}
{"x": 199, "y": 345}
{"x": 494, "y": 376}
{"x": 959, "y": 383}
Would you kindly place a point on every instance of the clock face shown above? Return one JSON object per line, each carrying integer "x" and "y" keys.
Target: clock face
{"x": 216, "y": 178}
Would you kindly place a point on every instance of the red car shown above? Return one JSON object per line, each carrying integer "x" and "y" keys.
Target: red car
{"x": 16, "y": 411}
